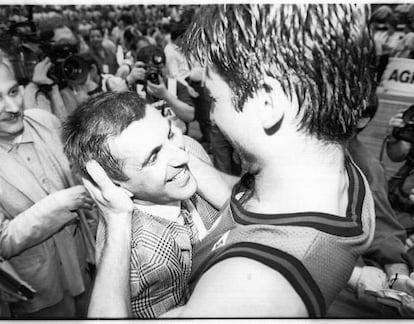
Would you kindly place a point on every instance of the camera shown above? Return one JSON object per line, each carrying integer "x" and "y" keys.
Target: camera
{"x": 154, "y": 59}
{"x": 152, "y": 74}
{"x": 26, "y": 47}
{"x": 68, "y": 67}
{"x": 406, "y": 133}
{"x": 153, "y": 69}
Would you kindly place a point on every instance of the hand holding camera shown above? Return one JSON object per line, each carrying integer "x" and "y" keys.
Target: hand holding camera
{"x": 158, "y": 90}
{"x": 137, "y": 74}
{"x": 40, "y": 72}
{"x": 403, "y": 125}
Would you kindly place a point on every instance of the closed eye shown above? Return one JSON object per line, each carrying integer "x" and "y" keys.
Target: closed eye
{"x": 152, "y": 159}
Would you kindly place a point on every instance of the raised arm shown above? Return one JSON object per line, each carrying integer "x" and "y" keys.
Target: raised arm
{"x": 111, "y": 292}
{"x": 241, "y": 287}
{"x": 212, "y": 185}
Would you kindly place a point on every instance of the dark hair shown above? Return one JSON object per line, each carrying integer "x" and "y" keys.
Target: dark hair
{"x": 145, "y": 54}
{"x": 87, "y": 129}
{"x": 126, "y": 18}
{"x": 130, "y": 36}
{"x": 177, "y": 29}
{"x": 321, "y": 53}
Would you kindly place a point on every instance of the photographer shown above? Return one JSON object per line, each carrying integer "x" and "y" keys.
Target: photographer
{"x": 40, "y": 204}
{"x": 43, "y": 93}
{"x": 385, "y": 264}
{"x": 399, "y": 148}
{"x": 148, "y": 77}
{"x": 68, "y": 70}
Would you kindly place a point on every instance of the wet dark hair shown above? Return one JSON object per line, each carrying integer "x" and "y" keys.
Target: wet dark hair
{"x": 87, "y": 129}
{"x": 323, "y": 54}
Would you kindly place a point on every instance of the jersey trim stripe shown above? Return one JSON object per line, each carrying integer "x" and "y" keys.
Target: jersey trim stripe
{"x": 287, "y": 265}
{"x": 348, "y": 226}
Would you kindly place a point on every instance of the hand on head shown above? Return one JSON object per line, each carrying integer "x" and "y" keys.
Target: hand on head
{"x": 113, "y": 201}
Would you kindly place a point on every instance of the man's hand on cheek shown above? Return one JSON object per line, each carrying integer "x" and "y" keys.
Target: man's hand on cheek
{"x": 113, "y": 201}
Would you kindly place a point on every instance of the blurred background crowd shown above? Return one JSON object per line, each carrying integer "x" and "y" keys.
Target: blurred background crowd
{"x": 64, "y": 54}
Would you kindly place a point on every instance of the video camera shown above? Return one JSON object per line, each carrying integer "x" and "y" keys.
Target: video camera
{"x": 68, "y": 67}
{"x": 26, "y": 47}
{"x": 406, "y": 133}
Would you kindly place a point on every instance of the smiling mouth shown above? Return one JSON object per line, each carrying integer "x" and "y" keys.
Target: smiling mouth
{"x": 180, "y": 175}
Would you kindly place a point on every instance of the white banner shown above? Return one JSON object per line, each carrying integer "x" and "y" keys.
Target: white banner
{"x": 398, "y": 77}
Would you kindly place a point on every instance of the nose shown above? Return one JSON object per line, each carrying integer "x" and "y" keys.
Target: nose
{"x": 179, "y": 156}
{"x": 10, "y": 105}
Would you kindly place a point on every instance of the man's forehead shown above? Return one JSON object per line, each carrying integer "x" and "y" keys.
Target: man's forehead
{"x": 141, "y": 136}
{"x": 6, "y": 73}
{"x": 63, "y": 34}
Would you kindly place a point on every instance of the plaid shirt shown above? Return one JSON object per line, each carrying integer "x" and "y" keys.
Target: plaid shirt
{"x": 161, "y": 254}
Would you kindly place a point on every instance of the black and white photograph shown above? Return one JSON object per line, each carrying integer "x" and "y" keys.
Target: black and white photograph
{"x": 206, "y": 160}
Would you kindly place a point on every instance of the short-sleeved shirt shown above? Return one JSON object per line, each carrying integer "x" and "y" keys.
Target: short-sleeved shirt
{"x": 316, "y": 252}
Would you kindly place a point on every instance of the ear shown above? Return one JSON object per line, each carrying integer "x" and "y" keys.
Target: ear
{"x": 273, "y": 103}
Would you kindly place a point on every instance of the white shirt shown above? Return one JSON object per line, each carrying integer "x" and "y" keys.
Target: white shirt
{"x": 176, "y": 63}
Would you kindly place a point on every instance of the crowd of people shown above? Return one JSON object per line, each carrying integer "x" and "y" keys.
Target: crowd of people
{"x": 201, "y": 161}
{"x": 393, "y": 32}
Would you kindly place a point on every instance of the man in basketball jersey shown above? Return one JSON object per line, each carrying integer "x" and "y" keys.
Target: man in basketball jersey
{"x": 289, "y": 83}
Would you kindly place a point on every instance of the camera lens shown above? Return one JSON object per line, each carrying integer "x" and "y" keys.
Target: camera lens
{"x": 75, "y": 69}
{"x": 152, "y": 75}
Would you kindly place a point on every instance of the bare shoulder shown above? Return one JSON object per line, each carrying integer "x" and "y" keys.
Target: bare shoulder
{"x": 241, "y": 287}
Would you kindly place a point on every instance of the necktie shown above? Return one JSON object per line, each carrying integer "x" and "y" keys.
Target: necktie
{"x": 189, "y": 224}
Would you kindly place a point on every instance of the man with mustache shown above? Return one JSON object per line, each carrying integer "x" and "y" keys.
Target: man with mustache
{"x": 39, "y": 230}
{"x": 144, "y": 154}
{"x": 289, "y": 83}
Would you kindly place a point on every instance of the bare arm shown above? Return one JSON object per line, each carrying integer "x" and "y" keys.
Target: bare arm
{"x": 183, "y": 110}
{"x": 240, "y": 287}
{"x": 212, "y": 185}
{"x": 111, "y": 292}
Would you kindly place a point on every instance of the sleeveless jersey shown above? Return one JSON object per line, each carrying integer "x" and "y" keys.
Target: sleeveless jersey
{"x": 316, "y": 252}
